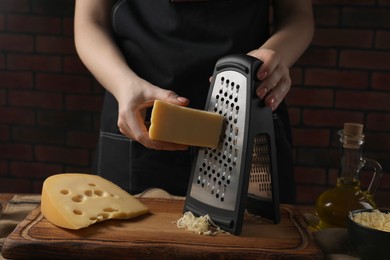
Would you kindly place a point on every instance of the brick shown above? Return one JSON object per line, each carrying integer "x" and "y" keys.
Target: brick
{"x": 383, "y": 2}
{"x": 385, "y": 182}
{"x": 295, "y": 116}
{"x": 34, "y": 170}
{"x": 34, "y": 24}
{"x": 62, "y": 82}
{"x": 317, "y": 157}
{"x": 334, "y": 174}
{"x": 326, "y": 16}
{"x": 55, "y": 44}
{"x": 382, "y": 40}
{"x": 16, "y": 151}
{"x": 2, "y": 61}
{"x": 330, "y": 118}
{"x": 61, "y": 155}
{"x": 317, "y": 56}
{"x": 78, "y": 169}
{"x": 310, "y": 97}
{"x": 64, "y": 119}
{"x": 380, "y": 81}
{"x": 363, "y": 100}
{"x": 337, "y": 78}
{"x": 37, "y": 186}
{"x": 377, "y": 142}
{"x": 3, "y": 95}
{"x": 3, "y": 168}
{"x": 68, "y": 28}
{"x": 336, "y": 37}
{"x": 296, "y": 75}
{"x": 19, "y": 116}
{"x": 96, "y": 121}
{"x": 34, "y": 62}
{"x": 84, "y": 103}
{"x": 310, "y": 137}
{"x": 343, "y": 2}
{"x": 378, "y": 122}
{"x": 11, "y": 185}
{"x": 73, "y": 64}
{"x": 4, "y": 133}
{"x": 82, "y": 139}
{"x": 16, "y": 79}
{"x": 365, "y": 59}
{"x": 366, "y": 17}
{"x": 20, "y": 6}
{"x": 16, "y": 42}
{"x": 310, "y": 175}
{"x": 382, "y": 198}
{"x": 58, "y": 7}
{"x": 38, "y": 135}
{"x": 308, "y": 194}
{"x": 382, "y": 156}
{"x": 35, "y": 99}
{"x": 1, "y": 22}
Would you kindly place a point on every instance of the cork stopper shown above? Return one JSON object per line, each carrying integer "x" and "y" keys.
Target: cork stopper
{"x": 353, "y": 135}
{"x": 353, "y": 129}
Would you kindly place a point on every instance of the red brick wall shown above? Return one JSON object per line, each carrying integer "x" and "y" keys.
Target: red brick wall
{"x": 49, "y": 103}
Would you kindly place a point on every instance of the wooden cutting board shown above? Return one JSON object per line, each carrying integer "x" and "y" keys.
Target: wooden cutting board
{"x": 155, "y": 236}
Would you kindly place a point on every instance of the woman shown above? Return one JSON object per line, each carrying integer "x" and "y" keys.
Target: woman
{"x": 143, "y": 50}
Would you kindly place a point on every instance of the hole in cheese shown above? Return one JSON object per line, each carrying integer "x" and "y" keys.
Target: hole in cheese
{"x": 77, "y": 212}
{"x": 92, "y": 184}
{"x": 102, "y": 216}
{"x": 78, "y": 198}
{"x": 183, "y": 125}
{"x": 99, "y": 193}
{"x": 88, "y": 193}
{"x": 109, "y": 210}
{"x": 65, "y": 192}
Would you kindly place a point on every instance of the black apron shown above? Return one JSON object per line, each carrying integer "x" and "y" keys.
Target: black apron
{"x": 175, "y": 45}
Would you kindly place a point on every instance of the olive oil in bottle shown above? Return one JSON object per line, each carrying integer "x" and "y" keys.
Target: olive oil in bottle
{"x": 334, "y": 205}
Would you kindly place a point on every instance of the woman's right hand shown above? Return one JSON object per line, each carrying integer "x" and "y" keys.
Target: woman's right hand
{"x": 100, "y": 54}
{"x": 133, "y": 100}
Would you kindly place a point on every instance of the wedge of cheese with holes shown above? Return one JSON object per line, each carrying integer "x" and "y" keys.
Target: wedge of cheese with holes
{"x": 76, "y": 200}
{"x": 183, "y": 125}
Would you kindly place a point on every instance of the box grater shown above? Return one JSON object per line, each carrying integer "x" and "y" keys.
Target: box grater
{"x": 241, "y": 173}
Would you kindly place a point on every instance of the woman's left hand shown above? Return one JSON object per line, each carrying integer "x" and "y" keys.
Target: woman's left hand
{"x": 274, "y": 76}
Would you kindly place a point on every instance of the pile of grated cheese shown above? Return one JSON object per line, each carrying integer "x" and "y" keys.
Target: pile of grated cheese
{"x": 202, "y": 225}
{"x": 374, "y": 219}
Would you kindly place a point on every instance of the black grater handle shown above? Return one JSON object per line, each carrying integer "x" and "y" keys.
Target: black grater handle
{"x": 246, "y": 64}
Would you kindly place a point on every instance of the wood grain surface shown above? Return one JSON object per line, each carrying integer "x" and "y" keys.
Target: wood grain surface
{"x": 155, "y": 236}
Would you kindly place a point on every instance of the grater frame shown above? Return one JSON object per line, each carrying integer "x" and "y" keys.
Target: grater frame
{"x": 226, "y": 181}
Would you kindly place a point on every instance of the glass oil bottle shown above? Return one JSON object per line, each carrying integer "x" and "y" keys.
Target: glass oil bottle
{"x": 333, "y": 206}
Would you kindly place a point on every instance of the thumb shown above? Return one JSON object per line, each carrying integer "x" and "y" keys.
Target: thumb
{"x": 170, "y": 96}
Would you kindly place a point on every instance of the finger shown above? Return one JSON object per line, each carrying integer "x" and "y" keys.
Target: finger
{"x": 270, "y": 60}
{"x": 278, "y": 93}
{"x": 270, "y": 82}
{"x": 167, "y": 96}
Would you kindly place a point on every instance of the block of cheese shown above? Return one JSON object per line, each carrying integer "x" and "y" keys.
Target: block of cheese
{"x": 183, "y": 125}
{"x": 76, "y": 200}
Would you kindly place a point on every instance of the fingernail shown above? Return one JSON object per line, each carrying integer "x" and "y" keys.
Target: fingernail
{"x": 262, "y": 75}
{"x": 182, "y": 99}
{"x": 270, "y": 101}
{"x": 262, "y": 92}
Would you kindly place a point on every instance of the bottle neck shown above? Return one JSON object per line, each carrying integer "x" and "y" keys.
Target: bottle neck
{"x": 351, "y": 158}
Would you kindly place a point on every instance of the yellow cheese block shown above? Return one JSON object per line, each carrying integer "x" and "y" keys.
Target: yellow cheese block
{"x": 76, "y": 200}
{"x": 183, "y": 125}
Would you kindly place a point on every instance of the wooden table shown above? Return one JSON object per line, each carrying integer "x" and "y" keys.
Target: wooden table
{"x": 155, "y": 236}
